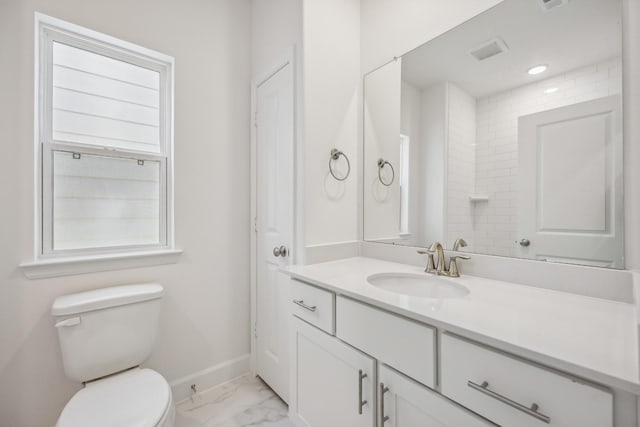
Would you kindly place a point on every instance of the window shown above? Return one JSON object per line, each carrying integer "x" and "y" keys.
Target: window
{"x": 104, "y": 142}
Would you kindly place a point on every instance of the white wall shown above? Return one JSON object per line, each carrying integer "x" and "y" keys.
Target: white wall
{"x": 332, "y": 118}
{"x": 276, "y": 30}
{"x": 410, "y": 126}
{"x": 433, "y": 144}
{"x": 382, "y": 132}
{"x": 206, "y": 308}
{"x": 461, "y": 164}
{"x": 497, "y": 145}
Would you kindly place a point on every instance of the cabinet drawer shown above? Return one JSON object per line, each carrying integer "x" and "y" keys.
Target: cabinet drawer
{"x": 504, "y": 389}
{"x": 403, "y": 344}
{"x": 314, "y": 305}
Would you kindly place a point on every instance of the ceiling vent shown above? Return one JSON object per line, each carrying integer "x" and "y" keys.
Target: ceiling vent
{"x": 547, "y": 5}
{"x": 489, "y": 49}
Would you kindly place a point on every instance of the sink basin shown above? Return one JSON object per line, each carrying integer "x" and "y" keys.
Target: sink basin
{"x": 418, "y": 285}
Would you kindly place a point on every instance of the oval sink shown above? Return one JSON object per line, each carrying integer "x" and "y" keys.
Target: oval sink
{"x": 418, "y": 285}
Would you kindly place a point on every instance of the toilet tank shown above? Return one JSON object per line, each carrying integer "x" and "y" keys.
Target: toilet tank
{"x": 107, "y": 330}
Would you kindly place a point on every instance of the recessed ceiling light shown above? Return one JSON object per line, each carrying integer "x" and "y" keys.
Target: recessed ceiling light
{"x": 537, "y": 69}
{"x": 551, "y": 90}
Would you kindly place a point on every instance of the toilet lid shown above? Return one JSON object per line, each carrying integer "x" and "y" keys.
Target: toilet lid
{"x": 135, "y": 398}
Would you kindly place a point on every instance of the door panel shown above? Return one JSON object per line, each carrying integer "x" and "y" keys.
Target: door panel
{"x": 570, "y": 191}
{"x": 274, "y": 216}
{"x": 325, "y": 391}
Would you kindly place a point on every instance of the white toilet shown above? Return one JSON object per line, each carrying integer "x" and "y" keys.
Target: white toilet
{"x": 104, "y": 335}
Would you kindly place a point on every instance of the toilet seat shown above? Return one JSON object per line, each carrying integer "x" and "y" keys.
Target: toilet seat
{"x": 135, "y": 398}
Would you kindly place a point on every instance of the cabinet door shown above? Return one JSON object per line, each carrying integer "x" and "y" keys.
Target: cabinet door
{"x": 332, "y": 384}
{"x": 405, "y": 403}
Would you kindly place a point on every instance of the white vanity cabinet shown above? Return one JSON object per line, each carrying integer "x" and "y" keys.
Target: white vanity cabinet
{"x": 386, "y": 370}
{"x": 405, "y": 403}
{"x": 332, "y": 384}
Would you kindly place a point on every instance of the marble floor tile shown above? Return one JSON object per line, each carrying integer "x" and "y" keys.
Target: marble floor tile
{"x": 245, "y": 401}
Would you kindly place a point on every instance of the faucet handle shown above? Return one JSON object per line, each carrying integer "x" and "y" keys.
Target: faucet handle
{"x": 453, "y": 264}
{"x": 431, "y": 265}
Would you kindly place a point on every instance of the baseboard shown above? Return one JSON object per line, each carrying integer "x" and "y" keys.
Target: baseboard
{"x": 209, "y": 377}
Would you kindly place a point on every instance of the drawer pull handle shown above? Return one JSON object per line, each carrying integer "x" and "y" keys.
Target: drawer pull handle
{"x": 383, "y": 418}
{"x": 533, "y": 410}
{"x": 361, "y": 403}
{"x": 303, "y": 305}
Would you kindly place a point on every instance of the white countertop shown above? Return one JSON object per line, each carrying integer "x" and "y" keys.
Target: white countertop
{"x": 596, "y": 339}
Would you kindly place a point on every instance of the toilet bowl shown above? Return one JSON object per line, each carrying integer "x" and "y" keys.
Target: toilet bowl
{"x": 104, "y": 336}
{"x": 137, "y": 397}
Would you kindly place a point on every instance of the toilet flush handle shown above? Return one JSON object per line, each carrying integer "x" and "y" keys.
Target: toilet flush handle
{"x": 72, "y": 321}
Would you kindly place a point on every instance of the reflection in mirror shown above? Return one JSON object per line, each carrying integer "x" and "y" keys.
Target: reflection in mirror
{"x": 505, "y": 131}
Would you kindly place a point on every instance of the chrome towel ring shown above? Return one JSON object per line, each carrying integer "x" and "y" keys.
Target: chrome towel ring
{"x": 381, "y": 164}
{"x": 335, "y": 155}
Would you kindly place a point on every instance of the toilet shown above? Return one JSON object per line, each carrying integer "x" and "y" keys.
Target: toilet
{"x": 104, "y": 336}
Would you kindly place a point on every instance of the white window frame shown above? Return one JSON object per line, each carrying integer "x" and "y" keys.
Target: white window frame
{"x": 48, "y": 30}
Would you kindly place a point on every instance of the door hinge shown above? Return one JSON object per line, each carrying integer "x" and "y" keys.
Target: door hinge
{"x": 255, "y": 118}
{"x": 255, "y": 224}
{"x": 255, "y": 330}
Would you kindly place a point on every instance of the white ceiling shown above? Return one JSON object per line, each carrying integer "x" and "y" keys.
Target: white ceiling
{"x": 579, "y": 33}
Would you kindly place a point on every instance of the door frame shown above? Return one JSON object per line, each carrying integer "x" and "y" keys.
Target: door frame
{"x": 288, "y": 58}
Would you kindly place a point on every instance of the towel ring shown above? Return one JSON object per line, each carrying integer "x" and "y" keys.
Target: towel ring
{"x": 381, "y": 164}
{"x": 335, "y": 155}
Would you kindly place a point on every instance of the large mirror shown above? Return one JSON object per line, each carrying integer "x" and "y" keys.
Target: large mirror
{"x": 505, "y": 131}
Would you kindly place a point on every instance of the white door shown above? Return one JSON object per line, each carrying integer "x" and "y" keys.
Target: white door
{"x": 405, "y": 403}
{"x": 274, "y": 225}
{"x": 334, "y": 383}
{"x": 570, "y": 192}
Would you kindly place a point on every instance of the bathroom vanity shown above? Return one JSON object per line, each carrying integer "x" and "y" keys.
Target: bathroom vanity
{"x": 477, "y": 352}
{"x": 465, "y": 136}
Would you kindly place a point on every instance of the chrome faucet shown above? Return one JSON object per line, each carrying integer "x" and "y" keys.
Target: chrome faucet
{"x": 440, "y": 267}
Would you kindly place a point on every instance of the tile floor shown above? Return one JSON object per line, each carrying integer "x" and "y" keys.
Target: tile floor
{"x": 245, "y": 401}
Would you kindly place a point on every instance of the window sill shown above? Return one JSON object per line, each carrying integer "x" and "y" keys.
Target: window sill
{"x": 56, "y": 267}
